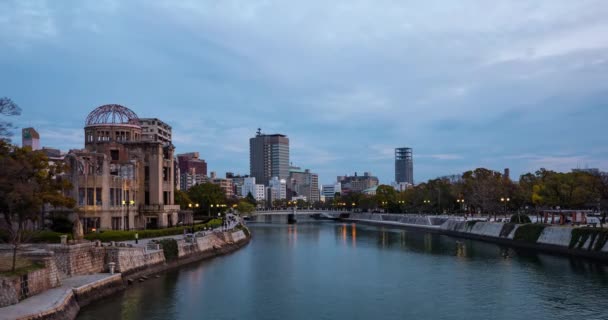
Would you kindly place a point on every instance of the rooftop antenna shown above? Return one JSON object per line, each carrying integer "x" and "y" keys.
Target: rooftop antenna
{"x": 259, "y": 132}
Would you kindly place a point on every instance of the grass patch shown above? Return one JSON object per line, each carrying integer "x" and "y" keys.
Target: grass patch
{"x": 22, "y": 266}
{"x": 528, "y": 232}
{"x": 120, "y": 235}
{"x": 599, "y": 237}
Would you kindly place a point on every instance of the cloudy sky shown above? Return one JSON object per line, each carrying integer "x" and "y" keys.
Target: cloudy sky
{"x": 519, "y": 84}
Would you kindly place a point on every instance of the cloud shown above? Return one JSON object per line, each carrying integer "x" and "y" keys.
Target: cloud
{"x": 348, "y": 81}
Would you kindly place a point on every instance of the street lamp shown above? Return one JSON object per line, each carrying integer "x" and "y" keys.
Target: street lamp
{"x": 505, "y": 201}
{"x": 461, "y": 202}
{"x": 126, "y": 219}
{"x": 401, "y": 203}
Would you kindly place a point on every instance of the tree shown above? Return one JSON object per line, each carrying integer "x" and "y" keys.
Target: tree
{"x": 7, "y": 108}
{"x": 182, "y": 199}
{"x": 251, "y": 199}
{"x": 206, "y": 194}
{"x": 27, "y": 182}
{"x": 244, "y": 207}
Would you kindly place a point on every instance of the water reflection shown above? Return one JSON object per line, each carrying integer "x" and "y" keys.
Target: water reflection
{"x": 310, "y": 271}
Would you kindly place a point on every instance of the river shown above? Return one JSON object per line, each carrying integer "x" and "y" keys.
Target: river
{"x": 329, "y": 270}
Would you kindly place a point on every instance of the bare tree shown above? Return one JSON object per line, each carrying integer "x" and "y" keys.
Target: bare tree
{"x": 7, "y": 108}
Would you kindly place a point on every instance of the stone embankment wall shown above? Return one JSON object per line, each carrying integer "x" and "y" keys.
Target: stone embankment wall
{"x": 555, "y": 239}
{"x": 130, "y": 261}
{"x": 78, "y": 259}
{"x": 16, "y": 288}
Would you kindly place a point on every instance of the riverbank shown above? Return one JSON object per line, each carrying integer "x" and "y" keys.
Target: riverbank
{"x": 589, "y": 243}
{"x": 133, "y": 264}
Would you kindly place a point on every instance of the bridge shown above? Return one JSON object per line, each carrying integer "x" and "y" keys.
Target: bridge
{"x": 292, "y": 215}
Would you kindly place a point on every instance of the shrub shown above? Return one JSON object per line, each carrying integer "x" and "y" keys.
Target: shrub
{"x": 169, "y": 249}
{"x": 45, "y": 237}
{"x": 120, "y": 235}
{"x": 520, "y": 218}
{"x": 599, "y": 237}
{"x": 529, "y": 232}
{"x": 61, "y": 224}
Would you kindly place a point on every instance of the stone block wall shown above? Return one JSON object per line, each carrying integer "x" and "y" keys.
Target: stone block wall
{"x": 9, "y": 290}
{"x": 134, "y": 258}
{"x": 16, "y": 288}
{"x": 79, "y": 259}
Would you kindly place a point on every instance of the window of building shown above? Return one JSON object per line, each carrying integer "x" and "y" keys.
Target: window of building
{"x": 98, "y": 196}
{"x": 146, "y": 173}
{"x": 90, "y": 199}
{"x": 147, "y": 196}
{"x": 114, "y": 155}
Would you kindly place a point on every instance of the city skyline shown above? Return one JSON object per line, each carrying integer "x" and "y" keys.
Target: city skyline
{"x": 516, "y": 88}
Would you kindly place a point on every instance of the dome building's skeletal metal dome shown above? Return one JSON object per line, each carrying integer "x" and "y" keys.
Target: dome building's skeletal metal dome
{"x": 112, "y": 114}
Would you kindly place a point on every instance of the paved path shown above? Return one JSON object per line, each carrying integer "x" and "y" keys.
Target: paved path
{"x": 47, "y": 300}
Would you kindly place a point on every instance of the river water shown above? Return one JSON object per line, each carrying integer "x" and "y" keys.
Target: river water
{"x": 332, "y": 270}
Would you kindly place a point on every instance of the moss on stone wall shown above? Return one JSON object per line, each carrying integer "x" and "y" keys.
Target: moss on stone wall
{"x": 169, "y": 249}
{"x": 528, "y": 232}
{"x": 506, "y": 229}
{"x": 598, "y": 236}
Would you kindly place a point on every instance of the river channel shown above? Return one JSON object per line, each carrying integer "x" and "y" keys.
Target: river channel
{"x": 327, "y": 270}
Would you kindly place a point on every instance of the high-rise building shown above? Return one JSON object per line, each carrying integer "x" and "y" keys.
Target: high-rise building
{"x": 269, "y": 156}
{"x": 304, "y": 183}
{"x": 30, "y": 138}
{"x": 192, "y": 170}
{"x": 404, "y": 165}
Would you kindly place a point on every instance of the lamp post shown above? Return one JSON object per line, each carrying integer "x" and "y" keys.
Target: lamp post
{"x": 125, "y": 219}
{"x": 505, "y": 201}
{"x": 401, "y": 203}
{"x": 190, "y": 206}
{"x": 427, "y": 202}
{"x": 461, "y": 202}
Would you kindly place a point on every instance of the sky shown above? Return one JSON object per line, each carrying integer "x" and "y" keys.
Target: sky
{"x": 466, "y": 84}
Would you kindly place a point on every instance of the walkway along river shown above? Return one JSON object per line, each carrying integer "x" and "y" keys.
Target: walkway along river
{"x": 344, "y": 270}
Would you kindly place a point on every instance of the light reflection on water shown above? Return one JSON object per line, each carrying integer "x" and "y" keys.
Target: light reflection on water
{"x": 344, "y": 270}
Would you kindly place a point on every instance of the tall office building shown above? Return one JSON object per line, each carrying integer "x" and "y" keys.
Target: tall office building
{"x": 304, "y": 183}
{"x": 30, "y": 138}
{"x": 269, "y": 157}
{"x": 404, "y": 165}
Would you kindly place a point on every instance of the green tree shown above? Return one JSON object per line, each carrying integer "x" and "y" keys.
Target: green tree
{"x": 27, "y": 182}
{"x": 244, "y": 207}
{"x": 207, "y": 194}
{"x": 251, "y": 199}
{"x": 182, "y": 199}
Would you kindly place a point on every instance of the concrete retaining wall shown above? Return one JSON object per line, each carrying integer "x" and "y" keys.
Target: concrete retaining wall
{"x": 559, "y": 236}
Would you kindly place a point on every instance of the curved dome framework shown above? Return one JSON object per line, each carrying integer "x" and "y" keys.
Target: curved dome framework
{"x": 112, "y": 114}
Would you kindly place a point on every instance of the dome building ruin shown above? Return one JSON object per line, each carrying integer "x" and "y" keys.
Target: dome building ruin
{"x": 124, "y": 179}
